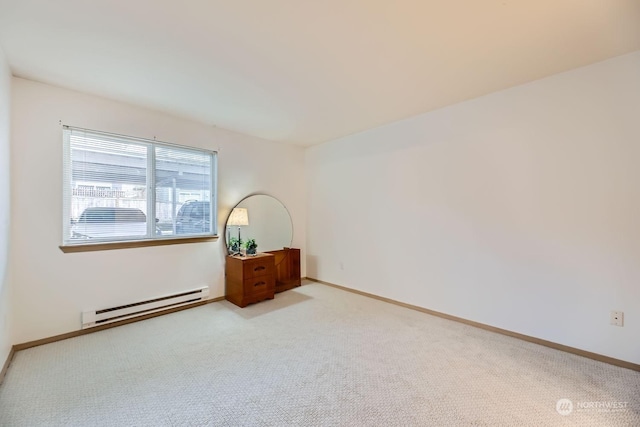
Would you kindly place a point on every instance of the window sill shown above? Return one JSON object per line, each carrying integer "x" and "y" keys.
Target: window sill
{"x": 107, "y": 246}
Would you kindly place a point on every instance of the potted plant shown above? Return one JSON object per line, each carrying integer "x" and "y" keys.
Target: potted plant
{"x": 234, "y": 245}
{"x": 251, "y": 246}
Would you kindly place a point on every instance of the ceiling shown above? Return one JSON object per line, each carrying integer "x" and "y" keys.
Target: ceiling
{"x": 305, "y": 71}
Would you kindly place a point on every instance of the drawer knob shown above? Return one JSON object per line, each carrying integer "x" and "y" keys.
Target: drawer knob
{"x": 260, "y": 284}
{"x": 262, "y": 267}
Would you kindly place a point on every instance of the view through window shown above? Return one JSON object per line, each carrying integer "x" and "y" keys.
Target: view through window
{"x": 119, "y": 188}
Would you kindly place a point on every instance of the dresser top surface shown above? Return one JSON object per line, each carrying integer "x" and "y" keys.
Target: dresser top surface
{"x": 250, "y": 257}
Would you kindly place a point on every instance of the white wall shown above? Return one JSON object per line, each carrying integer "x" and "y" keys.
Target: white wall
{"x": 51, "y": 288}
{"x": 5, "y": 199}
{"x": 519, "y": 209}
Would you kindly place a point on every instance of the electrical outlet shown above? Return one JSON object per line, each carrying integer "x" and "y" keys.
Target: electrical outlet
{"x": 617, "y": 318}
{"x": 341, "y": 265}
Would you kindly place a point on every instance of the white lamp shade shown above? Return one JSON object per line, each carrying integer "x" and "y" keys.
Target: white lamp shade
{"x": 239, "y": 216}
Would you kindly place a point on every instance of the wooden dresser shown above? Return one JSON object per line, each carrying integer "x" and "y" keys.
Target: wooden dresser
{"x": 250, "y": 279}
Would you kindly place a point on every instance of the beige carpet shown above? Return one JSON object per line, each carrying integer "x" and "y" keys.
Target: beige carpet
{"x": 314, "y": 356}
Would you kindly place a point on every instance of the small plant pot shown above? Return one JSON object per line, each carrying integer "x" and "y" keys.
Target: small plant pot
{"x": 252, "y": 251}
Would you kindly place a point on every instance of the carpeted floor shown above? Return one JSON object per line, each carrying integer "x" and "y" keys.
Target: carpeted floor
{"x": 314, "y": 356}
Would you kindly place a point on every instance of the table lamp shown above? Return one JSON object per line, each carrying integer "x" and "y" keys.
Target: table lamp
{"x": 239, "y": 217}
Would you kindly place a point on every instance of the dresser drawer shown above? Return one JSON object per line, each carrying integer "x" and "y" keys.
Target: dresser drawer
{"x": 260, "y": 284}
{"x": 261, "y": 266}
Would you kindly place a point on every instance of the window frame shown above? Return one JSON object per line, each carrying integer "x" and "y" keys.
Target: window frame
{"x": 151, "y": 239}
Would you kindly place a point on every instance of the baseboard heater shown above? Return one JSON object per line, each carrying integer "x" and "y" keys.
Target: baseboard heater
{"x": 91, "y": 319}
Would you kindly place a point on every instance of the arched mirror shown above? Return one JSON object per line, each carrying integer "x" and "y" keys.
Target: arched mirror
{"x": 263, "y": 218}
{"x": 272, "y": 267}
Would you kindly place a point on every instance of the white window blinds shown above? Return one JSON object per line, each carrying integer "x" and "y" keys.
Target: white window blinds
{"x": 119, "y": 188}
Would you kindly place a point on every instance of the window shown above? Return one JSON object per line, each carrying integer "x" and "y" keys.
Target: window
{"x": 119, "y": 188}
